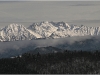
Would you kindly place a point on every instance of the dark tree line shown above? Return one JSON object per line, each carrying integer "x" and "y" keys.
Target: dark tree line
{"x": 67, "y": 62}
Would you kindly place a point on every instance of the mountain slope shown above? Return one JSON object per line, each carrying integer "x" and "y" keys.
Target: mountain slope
{"x": 45, "y": 50}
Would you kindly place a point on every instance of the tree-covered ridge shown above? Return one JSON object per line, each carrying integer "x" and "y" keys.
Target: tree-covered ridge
{"x": 67, "y": 62}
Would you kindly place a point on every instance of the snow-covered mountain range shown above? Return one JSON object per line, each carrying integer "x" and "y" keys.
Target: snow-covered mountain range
{"x": 15, "y": 32}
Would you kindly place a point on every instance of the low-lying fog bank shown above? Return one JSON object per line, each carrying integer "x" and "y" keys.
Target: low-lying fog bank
{"x": 71, "y": 43}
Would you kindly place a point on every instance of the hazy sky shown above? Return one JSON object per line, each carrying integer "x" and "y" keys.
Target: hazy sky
{"x": 27, "y": 12}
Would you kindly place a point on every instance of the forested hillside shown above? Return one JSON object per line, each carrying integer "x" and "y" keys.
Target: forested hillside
{"x": 67, "y": 62}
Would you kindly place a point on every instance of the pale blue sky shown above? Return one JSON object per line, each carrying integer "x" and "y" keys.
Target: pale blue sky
{"x": 27, "y": 12}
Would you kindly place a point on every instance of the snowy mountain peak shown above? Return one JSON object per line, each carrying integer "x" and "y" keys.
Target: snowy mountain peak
{"x": 13, "y": 24}
{"x": 14, "y": 27}
{"x": 15, "y": 32}
{"x": 45, "y": 29}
